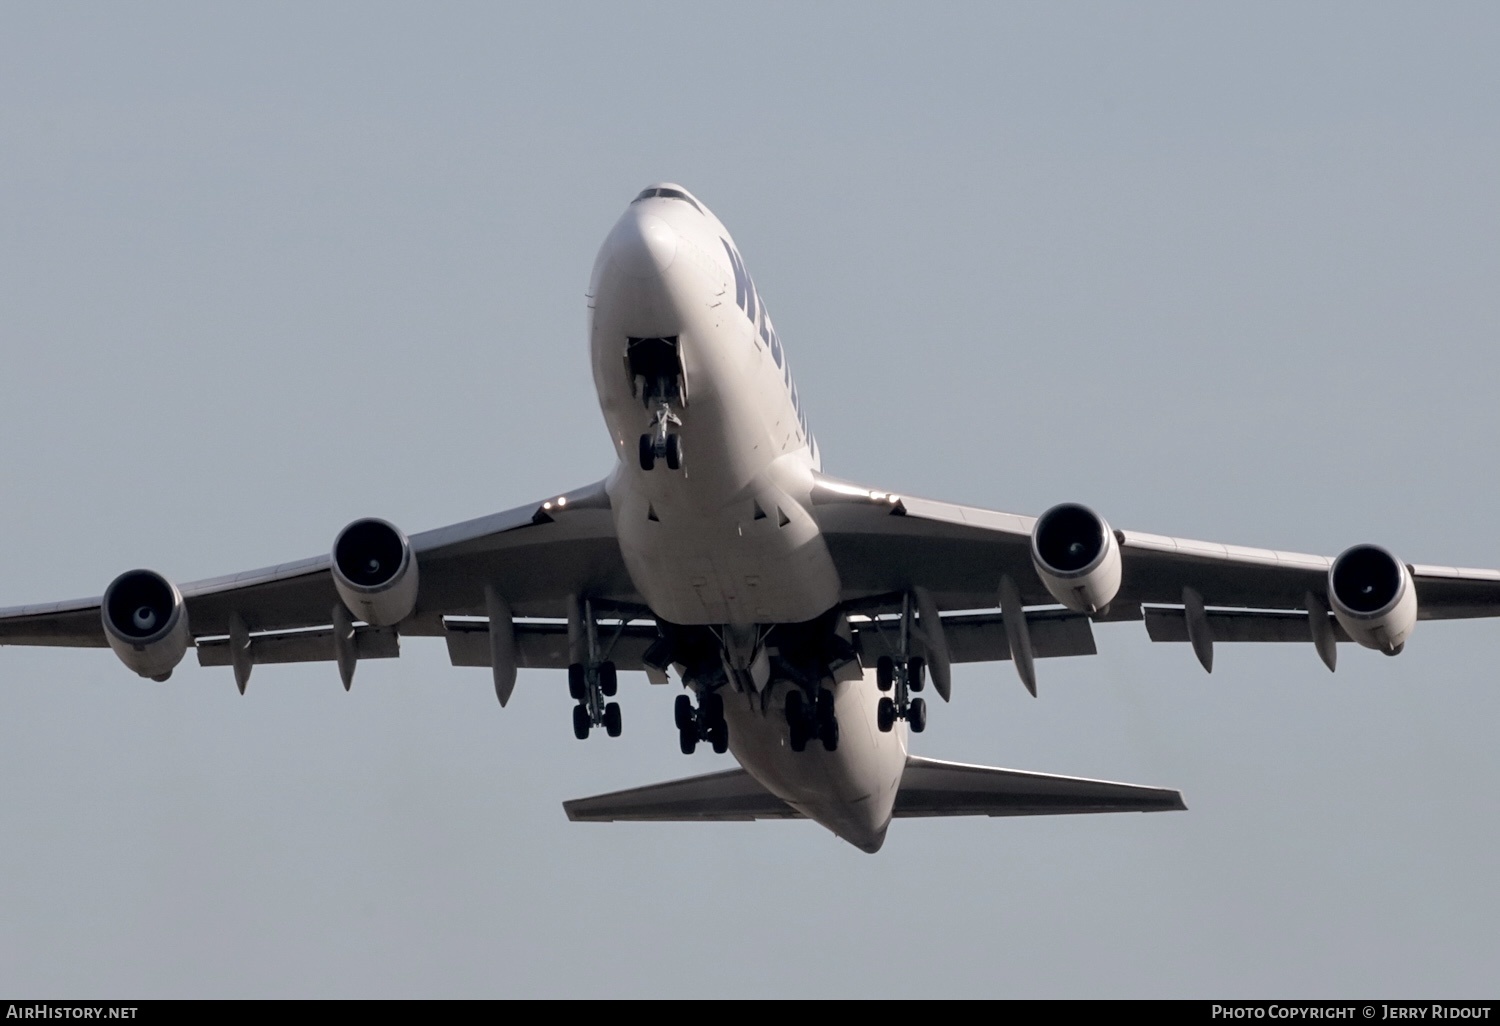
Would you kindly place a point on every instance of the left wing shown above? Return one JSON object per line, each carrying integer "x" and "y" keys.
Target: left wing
{"x": 885, "y": 545}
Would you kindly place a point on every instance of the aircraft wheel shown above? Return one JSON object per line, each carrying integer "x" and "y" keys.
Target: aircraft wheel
{"x": 712, "y": 705}
{"x": 916, "y": 716}
{"x": 830, "y": 735}
{"x": 648, "y": 453}
{"x": 824, "y": 709}
{"x": 916, "y": 673}
{"x": 682, "y": 713}
{"x": 720, "y": 738}
{"x": 885, "y": 715}
{"x": 612, "y": 719}
{"x": 577, "y": 681}
{"x": 885, "y": 672}
{"x": 674, "y": 452}
{"x": 581, "y": 722}
{"x": 609, "y": 681}
{"x": 688, "y": 740}
{"x": 796, "y": 720}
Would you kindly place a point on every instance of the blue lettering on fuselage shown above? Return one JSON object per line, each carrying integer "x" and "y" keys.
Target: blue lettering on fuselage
{"x": 747, "y": 298}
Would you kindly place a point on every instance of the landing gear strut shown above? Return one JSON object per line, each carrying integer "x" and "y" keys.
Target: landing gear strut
{"x": 591, "y": 679}
{"x": 657, "y": 379}
{"x": 705, "y": 723}
{"x": 661, "y": 443}
{"x": 902, "y": 676}
{"x": 812, "y": 720}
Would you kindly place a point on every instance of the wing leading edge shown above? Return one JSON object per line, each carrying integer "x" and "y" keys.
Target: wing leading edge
{"x": 536, "y": 556}
{"x": 884, "y": 544}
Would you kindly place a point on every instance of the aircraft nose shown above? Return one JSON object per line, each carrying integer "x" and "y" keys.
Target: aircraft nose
{"x": 643, "y": 246}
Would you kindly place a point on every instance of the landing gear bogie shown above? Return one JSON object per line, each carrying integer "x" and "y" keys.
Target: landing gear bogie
{"x": 705, "y": 723}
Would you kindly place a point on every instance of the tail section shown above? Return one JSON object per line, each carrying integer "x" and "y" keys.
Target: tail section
{"x": 928, "y": 788}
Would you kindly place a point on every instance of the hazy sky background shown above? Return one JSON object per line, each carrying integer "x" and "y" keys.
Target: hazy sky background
{"x": 1227, "y": 272}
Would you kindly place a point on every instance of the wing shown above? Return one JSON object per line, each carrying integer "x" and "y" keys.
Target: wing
{"x": 885, "y": 545}
{"x": 536, "y": 556}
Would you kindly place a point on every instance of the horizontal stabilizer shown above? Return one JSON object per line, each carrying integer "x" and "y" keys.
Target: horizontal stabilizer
{"x": 933, "y": 788}
{"x": 928, "y": 788}
{"x": 730, "y": 795}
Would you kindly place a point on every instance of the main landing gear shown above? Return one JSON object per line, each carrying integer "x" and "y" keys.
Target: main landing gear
{"x": 813, "y": 720}
{"x": 591, "y": 676}
{"x": 909, "y": 676}
{"x": 705, "y": 723}
{"x": 589, "y": 687}
{"x": 903, "y": 675}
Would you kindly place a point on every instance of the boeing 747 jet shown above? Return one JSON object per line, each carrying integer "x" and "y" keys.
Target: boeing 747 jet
{"x": 804, "y": 616}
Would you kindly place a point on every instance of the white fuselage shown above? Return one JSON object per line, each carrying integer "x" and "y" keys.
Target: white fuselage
{"x": 728, "y": 540}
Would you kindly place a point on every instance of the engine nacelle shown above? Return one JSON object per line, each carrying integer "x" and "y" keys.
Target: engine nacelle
{"x": 1373, "y": 597}
{"x": 375, "y": 572}
{"x": 1077, "y": 557}
{"x": 145, "y": 622}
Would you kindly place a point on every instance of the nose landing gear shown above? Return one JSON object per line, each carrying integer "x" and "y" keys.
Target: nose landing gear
{"x": 660, "y": 443}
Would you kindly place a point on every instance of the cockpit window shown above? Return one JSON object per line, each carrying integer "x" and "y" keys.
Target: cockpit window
{"x": 668, "y": 194}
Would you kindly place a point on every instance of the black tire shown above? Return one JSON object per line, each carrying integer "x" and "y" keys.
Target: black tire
{"x": 916, "y": 673}
{"x": 885, "y": 672}
{"x": 712, "y": 705}
{"x": 824, "y": 709}
{"x": 682, "y": 714}
{"x": 885, "y": 715}
{"x": 916, "y": 716}
{"x": 612, "y": 719}
{"x": 796, "y": 720}
{"x": 687, "y": 740}
{"x": 798, "y": 739}
{"x": 674, "y": 452}
{"x": 720, "y": 738}
{"x": 609, "y": 681}
{"x": 581, "y": 723}
{"x": 830, "y": 735}
{"x": 577, "y": 681}
{"x": 648, "y": 453}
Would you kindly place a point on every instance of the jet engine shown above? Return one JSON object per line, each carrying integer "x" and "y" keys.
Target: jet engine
{"x": 1077, "y": 557}
{"x": 146, "y": 623}
{"x": 1373, "y": 597}
{"x": 375, "y": 572}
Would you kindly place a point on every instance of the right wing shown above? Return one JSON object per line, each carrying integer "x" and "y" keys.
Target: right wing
{"x": 536, "y": 556}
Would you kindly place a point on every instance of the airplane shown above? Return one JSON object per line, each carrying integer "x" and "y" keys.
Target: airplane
{"x": 803, "y": 615}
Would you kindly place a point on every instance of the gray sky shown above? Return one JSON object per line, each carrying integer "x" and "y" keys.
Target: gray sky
{"x": 1223, "y": 272}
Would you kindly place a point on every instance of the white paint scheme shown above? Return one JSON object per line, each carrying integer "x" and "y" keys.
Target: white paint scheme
{"x": 1385, "y": 629}
{"x": 664, "y": 271}
{"x": 1090, "y": 588}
